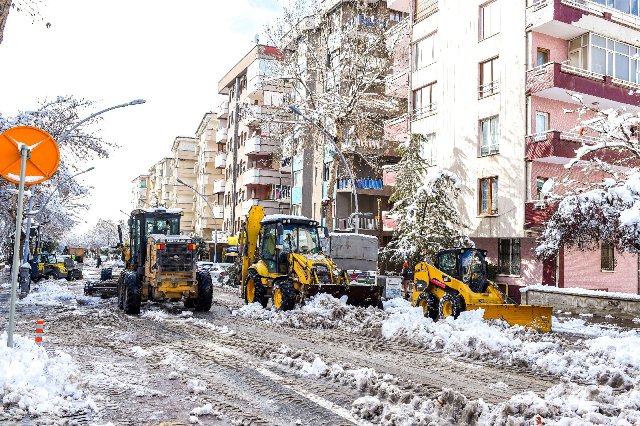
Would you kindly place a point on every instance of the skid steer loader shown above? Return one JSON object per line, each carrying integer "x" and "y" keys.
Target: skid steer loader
{"x": 457, "y": 281}
{"x": 281, "y": 258}
{"x": 162, "y": 264}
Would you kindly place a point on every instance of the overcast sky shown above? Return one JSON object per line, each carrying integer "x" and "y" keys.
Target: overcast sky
{"x": 112, "y": 51}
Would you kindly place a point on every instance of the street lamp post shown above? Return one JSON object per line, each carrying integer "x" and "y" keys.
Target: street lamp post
{"x": 332, "y": 138}
{"x": 25, "y": 152}
{"x": 215, "y": 224}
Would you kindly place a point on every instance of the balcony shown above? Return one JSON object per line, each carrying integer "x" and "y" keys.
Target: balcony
{"x": 401, "y": 5}
{"x": 397, "y": 129}
{"x": 489, "y": 89}
{"x": 347, "y": 224}
{"x": 270, "y": 206}
{"x": 221, "y": 135}
{"x": 262, "y": 177}
{"x": 397, "y": 84}
{"x": 218, "y": 211}
{"x": 258, "y": 146}
{"x": 281, "y": 193}
{"x": 218, "y": 186}
{"x": 256, "y": 114}
{"x": 364, "y": 186}
{"x": 223, "y": 110}
{"x": 554, "y": 80}
{"x": 220, "y": 161}
{"x": 567, "y": 19}
{"x": 425, "y": 9}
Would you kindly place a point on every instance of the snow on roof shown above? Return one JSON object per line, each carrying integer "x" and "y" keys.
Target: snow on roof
{"x": 281, "y": 217}
{"x": 580, "y": 292}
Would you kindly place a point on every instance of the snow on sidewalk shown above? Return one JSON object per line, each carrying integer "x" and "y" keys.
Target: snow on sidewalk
{"x": 56, "y": 293}
{"x": 34, "y": 383}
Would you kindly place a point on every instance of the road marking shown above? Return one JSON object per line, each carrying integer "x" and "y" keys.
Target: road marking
{"x": 328, "y": 405}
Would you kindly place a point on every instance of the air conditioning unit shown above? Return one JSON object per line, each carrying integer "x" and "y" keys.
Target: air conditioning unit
{"x": 539, "y": 205}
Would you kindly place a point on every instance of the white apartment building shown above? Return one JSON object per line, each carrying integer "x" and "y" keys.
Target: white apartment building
{"x": 490, "y": 81}
{"x": 140, "y": 192}
{"x": 252, "y": 176}
{"x": 183, "y": 167}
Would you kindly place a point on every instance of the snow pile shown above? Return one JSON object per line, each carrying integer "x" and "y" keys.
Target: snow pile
{"x": 138, "y": 352}
{"x": 321, "y": 311}
{"x": 196, "y": 386}
{"x": 580, "y": 292}
{"x": 33, "y": 383}
{"x": 50, "y": 293}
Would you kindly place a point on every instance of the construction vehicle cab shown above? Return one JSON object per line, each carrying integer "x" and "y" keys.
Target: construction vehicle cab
{"x": 161, "y": 263}
{"x": 457, "y": 281}
{"x": 282, "y": 258}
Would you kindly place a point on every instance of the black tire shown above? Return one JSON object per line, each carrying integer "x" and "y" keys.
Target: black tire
{"x": 259, "y": 292}
{"x": 205, "y": 292}
{"x": 69, "y": 276}
{"x": 430, "y": 306}
{"x": 56, "y": 274}
{"x": 450, "y": 305}
{"x": 284, "y": 295}
{"x": 132, "y": 300}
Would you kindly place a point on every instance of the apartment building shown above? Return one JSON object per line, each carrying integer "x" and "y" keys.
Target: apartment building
{"x": 183, "y": 165}
{"x": 140, "y": 192}
{"x": 160, "y": 183}
{"x": 253, "y": 175}
{"x": 208, "y": 168}
{"x": 491, "y": 81}
{"x": 311, "y": 164}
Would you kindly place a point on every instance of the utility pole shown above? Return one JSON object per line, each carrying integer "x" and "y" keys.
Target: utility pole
{"x": 236, "y": 125}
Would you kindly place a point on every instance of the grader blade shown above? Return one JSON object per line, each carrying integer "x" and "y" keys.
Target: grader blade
{"x": 532, "y": 316}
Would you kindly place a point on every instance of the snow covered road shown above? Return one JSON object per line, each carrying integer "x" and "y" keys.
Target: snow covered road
{"x": 324, "y": 364}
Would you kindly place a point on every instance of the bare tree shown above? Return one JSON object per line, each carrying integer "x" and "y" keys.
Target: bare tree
{"x": 29, "y": 7}
{"x": 333, "y": 65}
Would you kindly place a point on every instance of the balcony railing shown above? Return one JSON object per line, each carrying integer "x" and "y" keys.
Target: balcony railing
{"x": 218, "y": 186}
{"x": 346, "y": 223}
{"x": 616, "y": 15}
{"x": 489, "y": 89}
{"x": 425, "y": 111}
{"x": 221, "y": 134}
{"x": 281, "y": 193}
{"x": 223, "y": 110}
{"x": 361, "y": 183}
{"x": 486, "y": 150}
{"x": 220, "y": 161}
{"x": 258, "y": 145}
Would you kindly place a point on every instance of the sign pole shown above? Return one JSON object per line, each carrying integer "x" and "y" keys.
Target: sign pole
{"x": 15, "y": 269}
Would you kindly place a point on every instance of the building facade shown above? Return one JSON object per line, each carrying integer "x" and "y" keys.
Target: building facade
{"x": 140, "y": 192}
{"x": 490, "y": 86}
{"x": 253, "y": 175}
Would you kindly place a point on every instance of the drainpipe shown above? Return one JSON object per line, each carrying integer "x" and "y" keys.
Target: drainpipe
{"x": 236, "y": 124}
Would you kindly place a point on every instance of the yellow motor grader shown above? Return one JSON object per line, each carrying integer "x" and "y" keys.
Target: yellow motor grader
{"x": 281, "y": 258}
{"x": 161, "y": 264}
{"x": 457, "y": 281}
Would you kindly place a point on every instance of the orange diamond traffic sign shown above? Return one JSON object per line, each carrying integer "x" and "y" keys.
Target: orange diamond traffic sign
{"x": 44, "y": 157}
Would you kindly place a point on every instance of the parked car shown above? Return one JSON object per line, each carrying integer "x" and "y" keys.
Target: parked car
{"x": 218, "y": 271}
{"x": 204, "y": 265}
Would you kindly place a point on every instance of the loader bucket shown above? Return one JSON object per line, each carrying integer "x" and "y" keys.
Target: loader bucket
{"x": 533, "y": 316}
{"x": 357, "y": 295}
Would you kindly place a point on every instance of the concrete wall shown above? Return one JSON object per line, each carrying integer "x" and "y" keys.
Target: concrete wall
{"x": 603, "y": 304}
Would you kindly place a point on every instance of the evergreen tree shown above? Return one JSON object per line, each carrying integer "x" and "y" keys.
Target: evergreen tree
{"x": 424, "y": 204}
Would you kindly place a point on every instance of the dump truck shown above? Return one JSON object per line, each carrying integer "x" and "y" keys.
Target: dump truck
{"x": 457, "y": 281}
{"x": 162, "y": 264}
{"x": 282, "y": 259}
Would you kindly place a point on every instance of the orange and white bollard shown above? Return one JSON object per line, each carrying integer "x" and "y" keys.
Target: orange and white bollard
{"x": 39, "y": 331}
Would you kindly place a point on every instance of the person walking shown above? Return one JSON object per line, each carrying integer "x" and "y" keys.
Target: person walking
{"x": 406, "y": 279}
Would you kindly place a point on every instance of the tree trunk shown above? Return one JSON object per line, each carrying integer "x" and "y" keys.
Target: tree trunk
{"x": 333, "y": 177}
{"x": 5, "y": 5}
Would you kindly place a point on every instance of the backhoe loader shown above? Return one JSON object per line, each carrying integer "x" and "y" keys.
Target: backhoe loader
{"x": 161, "y": 264}
{"x": 281, "y": 258}
{"x": 457, "y": 281}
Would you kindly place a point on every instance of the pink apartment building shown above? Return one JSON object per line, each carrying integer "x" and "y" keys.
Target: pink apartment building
{"x": 489, "y": 85}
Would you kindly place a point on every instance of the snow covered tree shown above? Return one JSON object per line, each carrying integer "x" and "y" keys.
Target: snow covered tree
{"x": 60, "y": 214}
{"x": 605, "y": 205}
{"x": 425, "y": 206}
{"x": 333, "y": 66}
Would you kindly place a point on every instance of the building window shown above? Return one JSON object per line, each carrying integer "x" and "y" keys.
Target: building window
{"x": 542, "y": 126}
{"x": 488, "y": 197}
{"x": 427, "y": 148}
{"x": 489, "y": 20}
{"x": 540, "y": 181}
{"x": 607, "y": 257}
{"x": 605, "y": 56}
{"x": 542, "y": 57}
{"x": 489, "y": 136}
{"x": 424, "y": 101}
{"x": 297, "y": 178}
{"x": 509, "y": 256}
{"x": 489, "y": 78}
{"x": 424, "y": 52}
{"x": 326, "y": 171}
